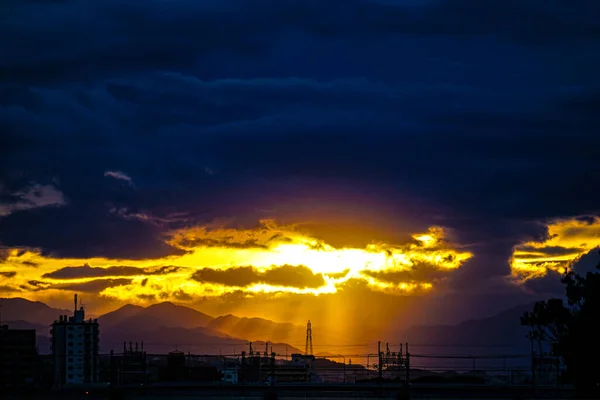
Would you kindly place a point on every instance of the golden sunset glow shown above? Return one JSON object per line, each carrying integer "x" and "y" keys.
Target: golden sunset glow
{"x": 568, "y": 240}
{"x": 270, "y": 259}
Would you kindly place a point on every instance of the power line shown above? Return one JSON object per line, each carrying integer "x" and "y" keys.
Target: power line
{"x": 468, "y": 357}
{"x": 243, "y": 342}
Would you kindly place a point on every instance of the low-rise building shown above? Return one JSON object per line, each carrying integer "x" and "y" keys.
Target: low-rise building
{"x": 18, "y": 357}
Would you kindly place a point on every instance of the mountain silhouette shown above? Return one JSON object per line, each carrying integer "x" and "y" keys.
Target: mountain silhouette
{"x": 161, "y": 340}
{"x": 19, "y": 309}
{"x": 495, "y": 336}
{"x": 165, "y": 327}
{"x": 119, "y": 315}
{"x": 157, "y": 315}
{"x": 258, "y": 329}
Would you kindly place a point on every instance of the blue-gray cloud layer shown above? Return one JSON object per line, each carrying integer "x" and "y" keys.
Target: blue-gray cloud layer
{"x": 481, "y": 113}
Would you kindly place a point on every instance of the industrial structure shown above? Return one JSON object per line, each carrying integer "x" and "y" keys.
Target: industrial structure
{"x": 75, "y": 347}
{"x": 129, "y": 367}
{"x": 267, "y": 368}
{"x": 393, "y": 361}
{"x": 309, "y": 344}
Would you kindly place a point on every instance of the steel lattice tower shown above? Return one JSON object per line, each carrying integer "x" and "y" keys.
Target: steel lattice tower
{"x": 308, "y": 340}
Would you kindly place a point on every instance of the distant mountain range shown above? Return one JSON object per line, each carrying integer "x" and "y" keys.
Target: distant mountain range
{"x": 503, "y": 329}
{"x": 157, "y": 315}
{"x": 18, "y": 309}
{"x": 162, "y": 327}
{"x": 495, "y": 343}
{"x": 258, "y": 329}
{"x": 165, "y": 327}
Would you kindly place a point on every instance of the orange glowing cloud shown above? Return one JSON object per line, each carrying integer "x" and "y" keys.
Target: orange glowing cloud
{"x": 568, "y": 240}
{"x": 268, "y": 259}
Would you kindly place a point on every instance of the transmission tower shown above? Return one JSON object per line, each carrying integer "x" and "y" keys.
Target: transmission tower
{"x": 308, "y": 340}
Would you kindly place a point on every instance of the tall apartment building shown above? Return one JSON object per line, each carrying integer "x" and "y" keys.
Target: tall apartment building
{"x": 18, "y": 356}
{"x": 75, "y": 343}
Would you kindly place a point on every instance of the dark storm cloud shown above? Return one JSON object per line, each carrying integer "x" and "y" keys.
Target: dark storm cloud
{"x": 122, "y": 34}
{"x": 418, "y": 273}
{"x": 8, "y": 289}
{"x": 551, "y": 284}
{"x": 548, "y": 251}
{"x": 30, "y": 264}
{"x": 85, "y": 271}
{"x": 8, "y": 274}
{"x": 587, "y": 262}
{"x": 93, "y": 286}
{"x": 147, "y": 297}
{"x": 248, "y": 244}
{"x": 36, "y": 285}
{"x": 285, "y": 275}
{"x": 35, "y": 196}
{"x": 66, "y": 232}
{"x": 178, "y": 294}
{"x": 481, "y": 113}
{"x": 548, "y": 285}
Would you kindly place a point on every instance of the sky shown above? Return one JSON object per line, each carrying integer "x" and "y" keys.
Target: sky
{"x": 351, "y": 162}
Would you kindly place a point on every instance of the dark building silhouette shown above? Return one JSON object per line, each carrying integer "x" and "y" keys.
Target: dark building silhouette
{"x": 178, "y": 370}
{"x": 18, "y": 357}
{"x": 130, "y": 367}
{"x": 259, "y": 368}
{"x": 176, "y": 359}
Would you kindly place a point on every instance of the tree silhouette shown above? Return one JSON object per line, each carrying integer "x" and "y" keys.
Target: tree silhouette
{"x": 572, "y": 328}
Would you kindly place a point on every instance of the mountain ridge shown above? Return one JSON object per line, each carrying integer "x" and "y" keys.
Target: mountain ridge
{"x": 164, "y": 314}
{"x": 166, "y": 326}
{"x": 501, "y": 330}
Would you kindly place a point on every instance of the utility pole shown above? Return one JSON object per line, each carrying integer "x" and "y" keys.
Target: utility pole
{"x": 379, "y": 366}
{"x": 407, "y": 366}
{"x": 399, "y": 363}
{"x": 272, "y": 366}
{"x": 533, "y": 363}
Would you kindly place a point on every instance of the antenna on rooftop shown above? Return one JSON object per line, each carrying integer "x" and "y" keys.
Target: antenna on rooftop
{"x": 75, "y": 300}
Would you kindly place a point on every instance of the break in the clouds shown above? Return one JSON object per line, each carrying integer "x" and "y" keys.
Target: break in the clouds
{"x": 360, "y": 122}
